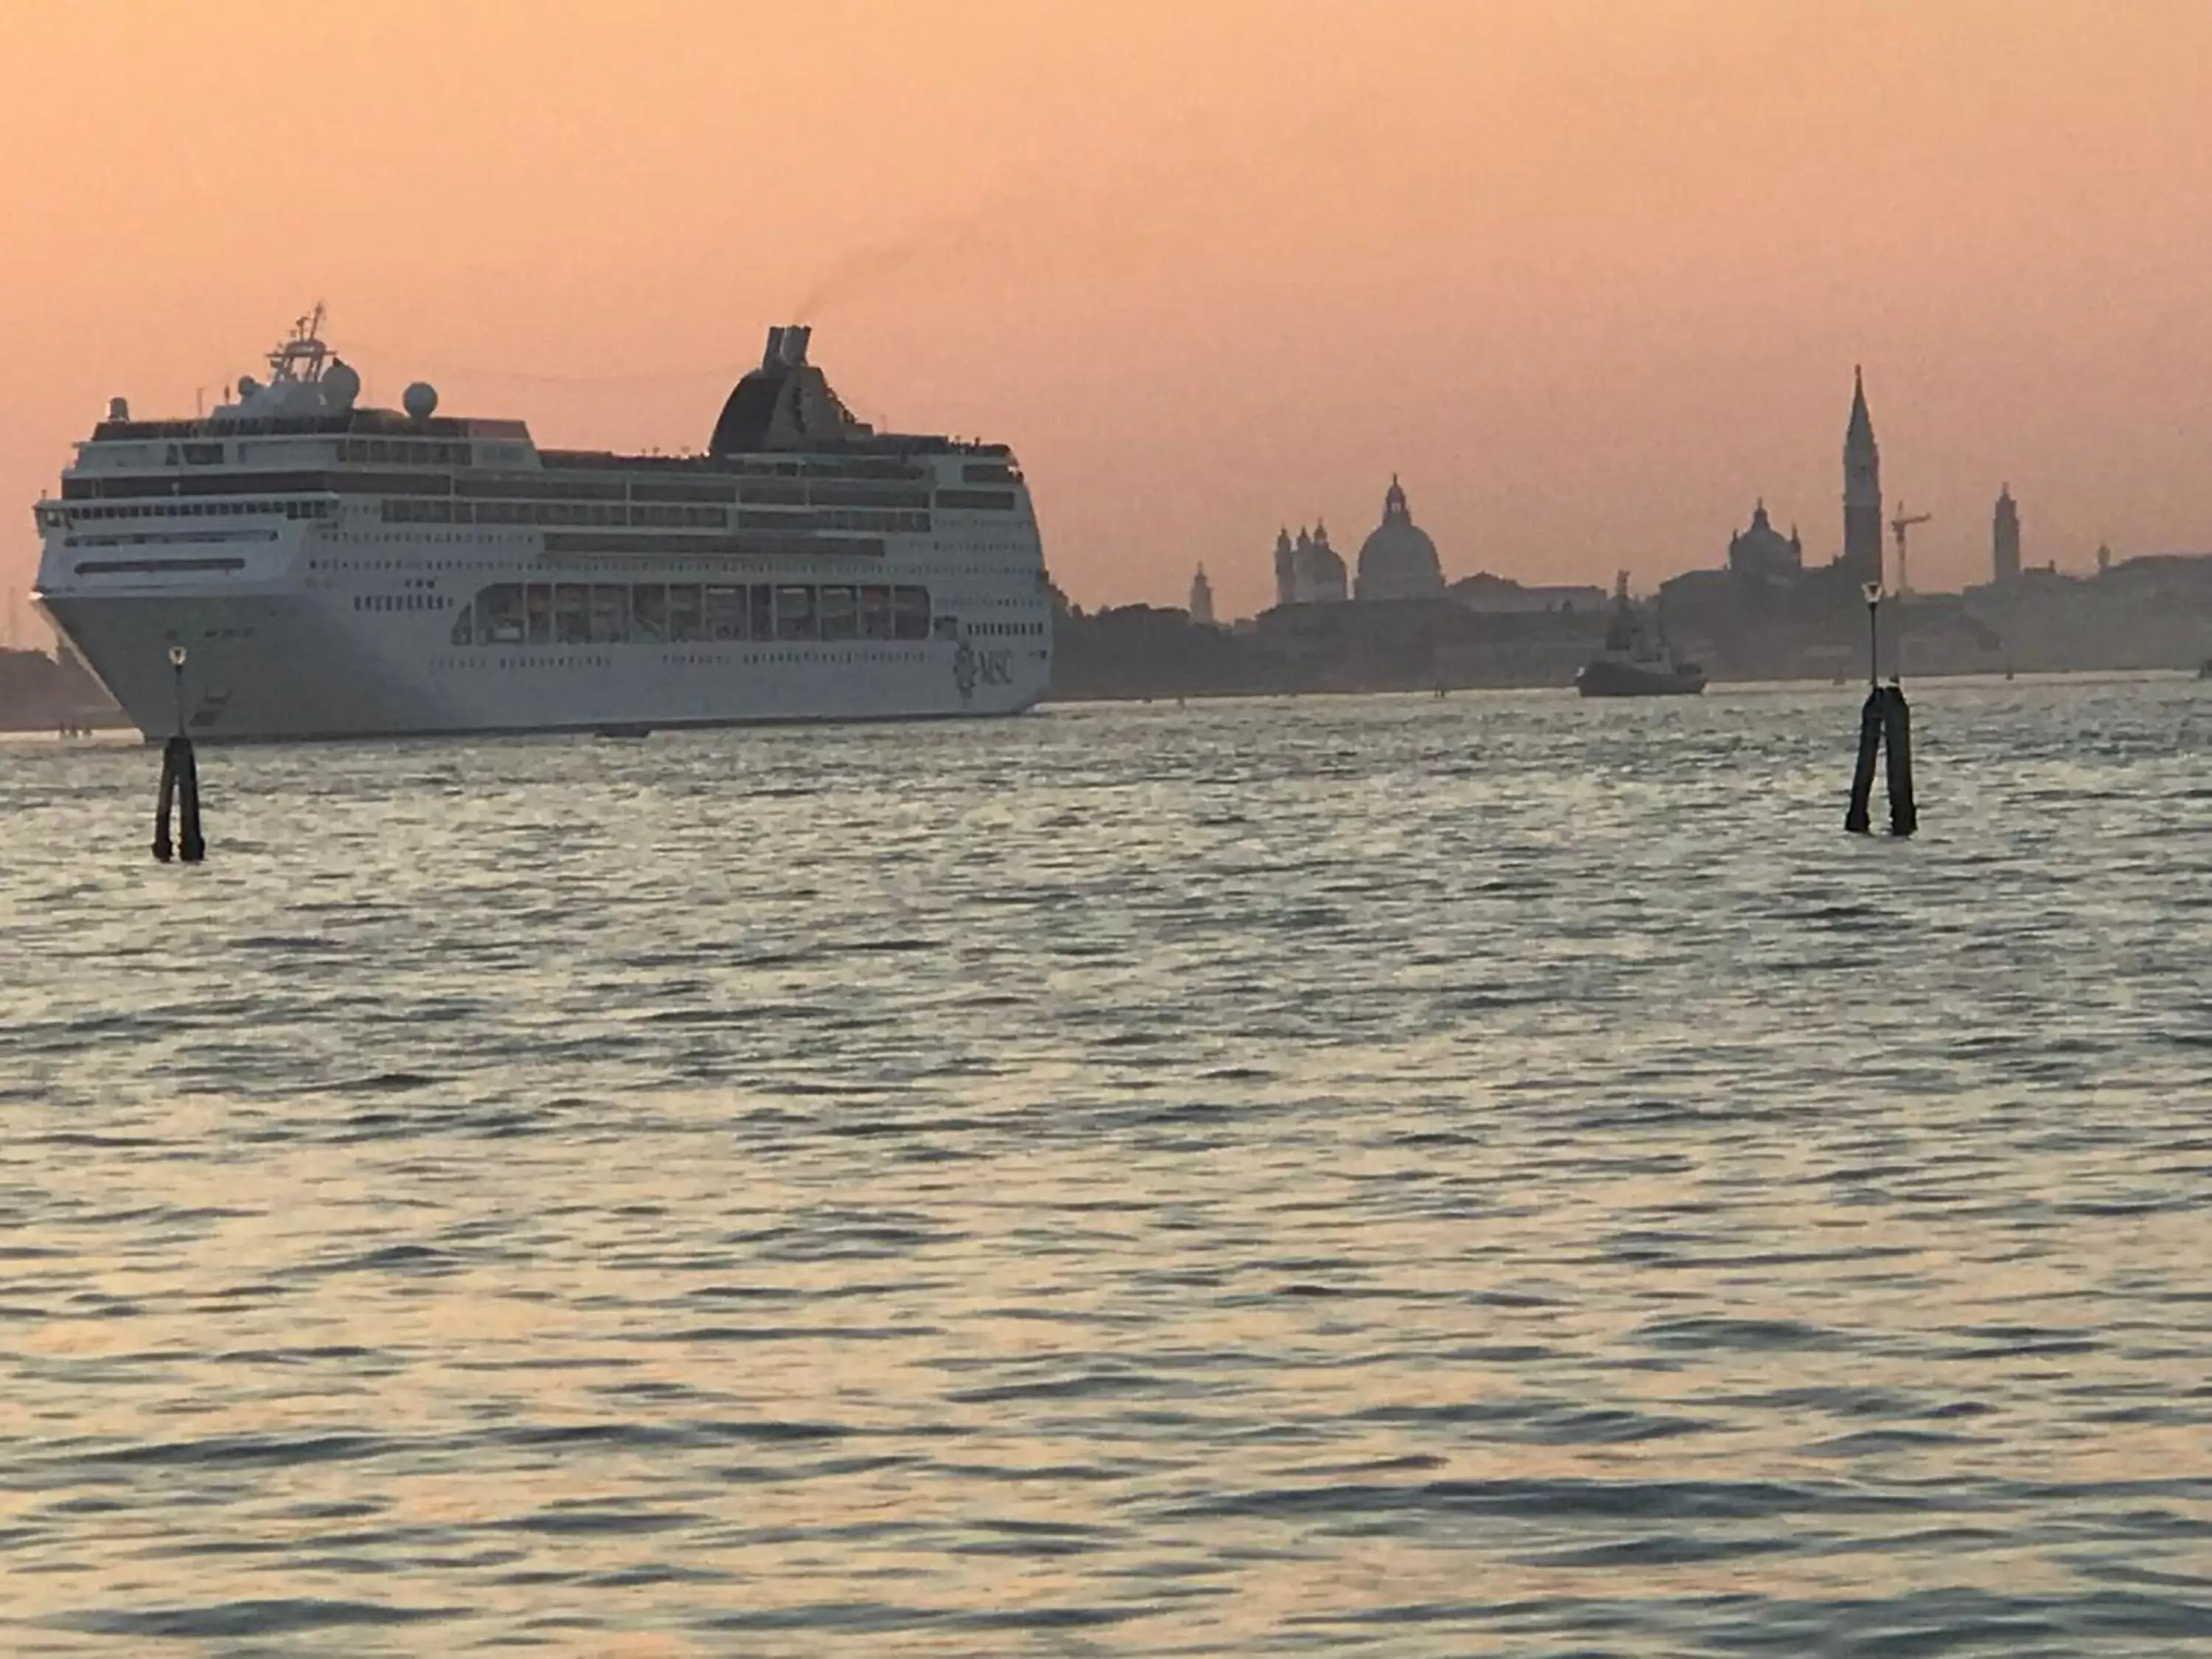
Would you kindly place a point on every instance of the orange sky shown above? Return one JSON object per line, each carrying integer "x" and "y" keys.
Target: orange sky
{"x": 1589, "y": 275}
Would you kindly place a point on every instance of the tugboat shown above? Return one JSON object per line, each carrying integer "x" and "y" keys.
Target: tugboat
{"x": 1637, "y": 662}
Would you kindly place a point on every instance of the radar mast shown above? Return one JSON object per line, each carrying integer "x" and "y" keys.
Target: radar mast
{"x": 300, "y": 357}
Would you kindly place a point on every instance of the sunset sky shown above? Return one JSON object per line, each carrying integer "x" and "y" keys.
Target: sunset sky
{"x": 1589, "y": 274}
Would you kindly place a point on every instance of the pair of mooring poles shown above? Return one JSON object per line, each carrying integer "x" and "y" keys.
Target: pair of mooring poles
{"x": 181, "y": 784}
{"x": 1886, "y": 719}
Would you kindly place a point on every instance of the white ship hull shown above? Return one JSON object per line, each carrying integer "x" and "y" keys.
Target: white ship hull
{"x": 278, "y": 667}
{"x": 337, "y": 572}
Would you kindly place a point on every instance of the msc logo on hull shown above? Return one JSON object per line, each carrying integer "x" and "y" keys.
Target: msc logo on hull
{"x": 971, "y": 668}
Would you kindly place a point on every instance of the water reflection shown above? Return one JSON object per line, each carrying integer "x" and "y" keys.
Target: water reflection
{"x": 1497, "y": 1175}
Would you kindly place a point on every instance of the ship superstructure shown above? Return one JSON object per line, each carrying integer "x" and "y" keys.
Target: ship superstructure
{"x": 340, "y": 570}
{"x": 1636, "y": 661}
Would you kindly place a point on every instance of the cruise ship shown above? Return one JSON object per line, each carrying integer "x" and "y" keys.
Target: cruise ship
{"x": 335, "y": 570}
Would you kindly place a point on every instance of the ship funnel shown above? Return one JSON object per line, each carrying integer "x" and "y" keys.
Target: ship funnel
{"x": 118, "y": 408}
{"x": 794, "y": 344}
{"x": 773, "y": 357}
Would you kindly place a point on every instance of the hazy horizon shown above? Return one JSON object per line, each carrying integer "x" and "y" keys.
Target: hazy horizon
{"x": 1589, "y": 278}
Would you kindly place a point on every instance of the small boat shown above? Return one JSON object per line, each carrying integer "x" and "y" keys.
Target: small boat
{"x": 2204, "y": 669}
{"x": 1636, "y": 661}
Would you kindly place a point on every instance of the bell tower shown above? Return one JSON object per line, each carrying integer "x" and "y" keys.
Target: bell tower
{"x": 1861, "y": 490}
{"x": 1202, "y": 599}
{"x": 2004, "y": 539}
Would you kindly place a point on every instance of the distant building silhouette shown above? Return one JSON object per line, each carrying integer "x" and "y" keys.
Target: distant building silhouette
{"x": 1398, "y": 560}
{"x": 1308, "y": 571}
{"x": 2005, "y": 540}
{"x": 1762, "y": 553}
{"x": 1861, "y": 490}
{"x": 1202, "y": 599}
{"x": 1501, "y": 596}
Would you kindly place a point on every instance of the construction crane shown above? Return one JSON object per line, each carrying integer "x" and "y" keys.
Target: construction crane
{"x": 1898, "y": 526}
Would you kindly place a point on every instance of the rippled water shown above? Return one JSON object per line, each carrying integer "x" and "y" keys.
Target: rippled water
{"x": 1493, "y": 1175}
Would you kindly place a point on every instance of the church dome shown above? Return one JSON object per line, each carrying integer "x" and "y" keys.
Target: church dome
{"x": 1318, "y": 572}
{"x": 1765, "y": 552}
{"x": 1398, "y": 561}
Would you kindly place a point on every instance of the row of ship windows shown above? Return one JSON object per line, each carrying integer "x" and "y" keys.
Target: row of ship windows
{"x": 407, "y": 451}
{"x": 410, "y": 451}
{"x": 416, "y": 452}
{"x": 611, "y": 613}
{"x": 676, "y": 660}
{"x": 54, "y": 516}
{"x": 612, "y": 514}
{"x": 509, "y": 561}
{"x": 701, "y": 567}
{"x": 525, "y": 485}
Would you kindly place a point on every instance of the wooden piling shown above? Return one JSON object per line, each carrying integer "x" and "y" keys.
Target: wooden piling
{"x": 1897, "y": 732}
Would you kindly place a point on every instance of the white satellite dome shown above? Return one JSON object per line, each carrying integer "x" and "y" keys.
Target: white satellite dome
{"x": 341, "y": 384}
{"x": 420, "y": 400}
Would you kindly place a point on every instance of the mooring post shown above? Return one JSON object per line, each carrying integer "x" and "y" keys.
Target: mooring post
{"x": 161, "y": 848}
{"x": 1873, "y": 592}
{"x": 1858, "y": 818}
{"x": 1873, "y": 716}
{"x": 1904, "y": 815}
{"x": 180, "y": 783}
{"x": 192, "y": 845}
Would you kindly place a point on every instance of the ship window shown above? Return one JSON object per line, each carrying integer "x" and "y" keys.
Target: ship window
{"x": 835, "y": 612}
{"x": 988, "y": 500}
{"x": 684, "y": 622}
{"x": 868, "y": 495}
{"x": 795, "y": 613}
{"x": 650, "y": 604}
{"x": 610, "y": 614}
{"x": 769, "y": 493}
{"x": 538, "y": 613}
{"x": 910, "y": 613}
{"x": 946, "y": 628}
{"x": 572, "y": 614}
{"x": 760, "y": 606}
{"x": 875, "y": 613}
{"x": 726, "y": 613}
